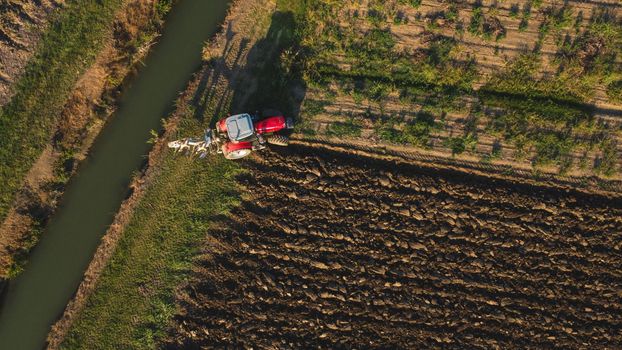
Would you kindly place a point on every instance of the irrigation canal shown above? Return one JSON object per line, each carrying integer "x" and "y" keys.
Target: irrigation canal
{"x": 37, "y": 298}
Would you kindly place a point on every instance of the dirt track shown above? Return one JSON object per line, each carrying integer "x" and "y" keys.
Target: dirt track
{"x": 348, "y": 252}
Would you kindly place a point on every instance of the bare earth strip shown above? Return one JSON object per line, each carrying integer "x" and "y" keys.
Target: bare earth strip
{"x": 498, "y": 170}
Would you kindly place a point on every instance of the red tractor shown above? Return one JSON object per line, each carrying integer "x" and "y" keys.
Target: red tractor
{"x": 237, "y": 136}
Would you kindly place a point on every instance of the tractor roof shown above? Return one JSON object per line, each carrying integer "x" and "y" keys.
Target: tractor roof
{"x": 239, "y": 126}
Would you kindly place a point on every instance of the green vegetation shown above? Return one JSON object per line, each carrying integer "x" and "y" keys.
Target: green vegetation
{"x": 376, "y": 70}
{"x": 413, "y": 3}
{"x": 614, "y": 91}
{"x": 26, "y": 123}
{"x": 549, "y": 114}
{"x": 376, "y": 16}
{"x": 477, "y": 19}
{"x": 456, "y": 144}
{"x": 522, "y": 26}
{"x": 415, "y": 132}
{"x": 163, "y": 7}
{"x": 607, "y": 162}
{"x": 519, "y": 88}
{"x": 539, "y": 112}
{"x": 314, "y": 107}
{"x": 487, "y": 27}
{"x": 555, "y": 19}
{"x": 524, "y": 22}
{"x": 349, "y": 128}
{"x": 552, "y": 147}
{"x": 400, "y": 18}
{"x": 514, "y": 9}
{"x": 578, "y": 22}
{"x": 134, "y": 299}
{"x": 452, "y": 13}
{"x": 547, "y": 117}
{"x": 589, "y": 59}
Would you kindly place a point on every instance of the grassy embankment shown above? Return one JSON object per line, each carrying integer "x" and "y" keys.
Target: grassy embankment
{"x": 134, "y": 298}
{"x": 27, "y": 122}
{"x": 547, "y": 120}
{"x": 69, "y": 47}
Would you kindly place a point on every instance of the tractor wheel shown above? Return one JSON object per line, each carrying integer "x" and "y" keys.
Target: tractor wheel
{"x": 237, "y": 154}
{"x": 278, "y": 140}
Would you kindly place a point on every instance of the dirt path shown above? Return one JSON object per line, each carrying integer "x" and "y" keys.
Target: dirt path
{"x": 335, "y": 250}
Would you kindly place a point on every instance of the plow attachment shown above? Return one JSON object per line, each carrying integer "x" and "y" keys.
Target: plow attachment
{"x": 195, "y": 146}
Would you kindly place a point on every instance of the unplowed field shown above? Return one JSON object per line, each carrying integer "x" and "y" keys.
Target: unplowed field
{"x": 331, "y": 250}
{"x": 361, "y": 45}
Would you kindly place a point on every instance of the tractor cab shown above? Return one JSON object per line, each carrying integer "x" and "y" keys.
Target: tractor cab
{"x": 239, "y": 127}
{"x": 237, "y": 135}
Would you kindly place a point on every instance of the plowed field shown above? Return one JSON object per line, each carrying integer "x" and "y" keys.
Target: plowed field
{"x": 331, "y": 250}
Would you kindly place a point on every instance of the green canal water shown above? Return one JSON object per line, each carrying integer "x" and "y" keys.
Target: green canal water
{"x": 37, "y": 298}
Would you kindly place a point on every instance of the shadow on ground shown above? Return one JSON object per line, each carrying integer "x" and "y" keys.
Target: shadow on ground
{"x": 262, "y": 79}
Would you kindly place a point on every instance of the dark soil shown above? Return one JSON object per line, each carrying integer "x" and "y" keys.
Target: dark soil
{"x": 341, "y": 251}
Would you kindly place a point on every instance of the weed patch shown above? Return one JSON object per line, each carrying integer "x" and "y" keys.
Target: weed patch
{"x": 416, "y": 132}
{"x": 411, "y": 3}
{"x": 349, "y": 128}
{"x": 608, "y": 162}
{"x": 614, "y": 91}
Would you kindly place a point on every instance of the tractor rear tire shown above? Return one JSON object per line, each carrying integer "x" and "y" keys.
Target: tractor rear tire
{"x": 278, "y": 140}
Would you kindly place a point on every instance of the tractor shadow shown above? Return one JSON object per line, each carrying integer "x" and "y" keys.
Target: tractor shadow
{"x": 216, "y": 69}
{"x": 265, "y": 78}
{"x": 274, "y": 78}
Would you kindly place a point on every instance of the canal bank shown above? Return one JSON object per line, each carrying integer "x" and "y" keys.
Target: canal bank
{"x": 84, "y": 111}
{"x": 36, "y": 298}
